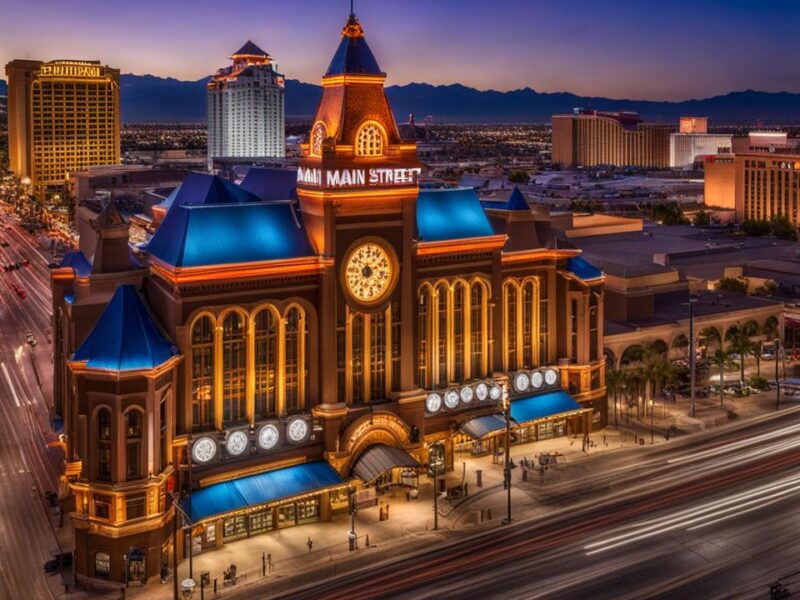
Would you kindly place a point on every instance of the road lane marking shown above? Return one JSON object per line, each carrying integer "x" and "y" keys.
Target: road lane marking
{"x": 10, "y": 384}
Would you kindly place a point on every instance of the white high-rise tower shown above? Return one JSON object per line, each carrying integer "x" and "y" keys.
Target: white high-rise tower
{"x": 245, "y": 107}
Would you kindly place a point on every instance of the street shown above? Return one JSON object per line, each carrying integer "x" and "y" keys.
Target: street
{"x": 28, "y": 539}
{"x": 710, "y": 516}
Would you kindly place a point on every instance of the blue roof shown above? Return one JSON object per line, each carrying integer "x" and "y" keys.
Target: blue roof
{"x": 583, "y": 269}
{"x": 480, "y": 427}
{"x": 543, "y": 405}
{"x": 262, "y": 488}
{"x": 516, "y": 201}
{"x": 353, "y": 54}
{"x": 77, "y": 260}
{"x": 125, "y": 337}
{"x": 271, "y": 183}
{"x": 450, "y": 214}
{"x": 197, "y": 236}
{"x": 201, "y": 189}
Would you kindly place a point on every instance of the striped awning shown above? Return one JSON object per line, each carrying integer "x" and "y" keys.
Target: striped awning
{"x": 380, "y": 458}
{"x": 480, "y": 427}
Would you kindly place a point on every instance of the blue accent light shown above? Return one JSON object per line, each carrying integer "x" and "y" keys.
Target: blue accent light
{"x": 542, "y": 406}
{"x": 125, "y": 337}
{"x": 262, "y": 488}
{"x": 450, "y": 214}
{"x": 197, "y": 236}
{"x": 77, "y": 260}
{"x": 583, "y": 269}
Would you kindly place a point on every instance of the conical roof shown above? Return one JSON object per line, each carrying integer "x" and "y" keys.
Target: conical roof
{"x": 250, "y": 49}
{"x": 516, "y": 201}
{"x": 353, "y": 55}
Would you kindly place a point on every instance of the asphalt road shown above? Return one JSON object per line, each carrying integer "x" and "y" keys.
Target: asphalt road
{"x": 27, "y": 538}
{"x": 709, "y": 516}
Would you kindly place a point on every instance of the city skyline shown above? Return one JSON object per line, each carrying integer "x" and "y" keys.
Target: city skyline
{"x": 586, "y": 49}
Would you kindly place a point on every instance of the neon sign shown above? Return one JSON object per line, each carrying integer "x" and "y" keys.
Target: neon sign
{"x": 69, "y": 70}
{"x": 372, "y": 177}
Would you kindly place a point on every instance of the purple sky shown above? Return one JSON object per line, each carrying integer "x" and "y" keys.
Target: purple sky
{"x": 644, "y": 49}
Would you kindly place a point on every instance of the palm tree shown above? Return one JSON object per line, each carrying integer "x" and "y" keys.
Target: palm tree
{"x": 712, "y": 336}
{"x": 738, "y": 338}
{"x": 722, "y": 359}
{"x": 633, "y": 388}
{"x": 615, "y": 384}
{"x": 665, "y": 374}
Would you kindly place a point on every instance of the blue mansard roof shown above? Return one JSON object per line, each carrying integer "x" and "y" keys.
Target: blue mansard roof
{"x": 199, "y": 236}
{"x": 200, "y": 189}
{"x": 77, "y": 260}
{"x": 583, "y": 269}
{"x": 516, "y": 201}
{"x": 353, "y": 55}
{"x": 450, "y": 214}
{"x": 125, "y": 337}
{"x": 271, "y": 183}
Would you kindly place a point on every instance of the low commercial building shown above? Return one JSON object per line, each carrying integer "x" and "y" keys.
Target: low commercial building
{"x": 589, "y": 138}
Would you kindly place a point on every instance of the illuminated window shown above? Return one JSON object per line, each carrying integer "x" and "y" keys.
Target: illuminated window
{"x": 133, "y": 444}
{"x": 102, "y": 565}
{"x": 377, "y": 356}
{"x": 423, "y": 337}
{"x": 459, "y": 301}
{"x": 510, "y": 325}
{"x": 529, "y": 318}
{"x": 478, "y": 330}
{"x": 357, "y": 359}
{"x": 234, "y": 360}
{"x": 369, "y": 141}
{"x": 266, "y": 362}
{"x": 318, "y": 136}
{"x": 442, "y": 331}
{"x": 104, "y": 444}
{"x": 203, "y": 372}
{"x": 296, "y": 370}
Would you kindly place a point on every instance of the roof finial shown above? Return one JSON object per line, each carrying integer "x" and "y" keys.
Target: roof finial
{"x": 352, "y": 10}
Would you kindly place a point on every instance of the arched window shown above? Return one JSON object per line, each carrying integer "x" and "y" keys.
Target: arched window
{"x": 442, "y": 334}
{"x": 377, "y": 356}
{"x": 369, "y": 141}
{"x": 510, "y": 324}
{"x": 318, "y": 135}
{"x": 296, "y": 370}
{"x": 357, "y": 359}
{"x": 478, "y": 330}
{"x": 133, "y": 444}
{"x": 234, "y": 366}
{"x": 104, "y": 444}
{"x": 423, "y": 337}
{"x": 530, "y": 318}
{"x": 521, "y": 314}
{"x": 266, "y": 362}
{"x": 372, "y": 351}
{"x": 459, "y": 314}
{"x": 202, "y": 353}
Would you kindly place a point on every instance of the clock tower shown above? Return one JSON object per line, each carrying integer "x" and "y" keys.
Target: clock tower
{"x": 357, "y": 190}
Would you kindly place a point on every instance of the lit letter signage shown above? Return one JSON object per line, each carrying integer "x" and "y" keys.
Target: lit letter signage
{"x": 69, "y": 70}
{"x": 358, "y": 178}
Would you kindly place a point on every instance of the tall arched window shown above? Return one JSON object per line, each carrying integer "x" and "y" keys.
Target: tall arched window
{"x": 373, "y": 351}
{"x": 296, "y": 370}
{"x": 369, "y": 141}
{"x": 442, "y": 333}
{"x": 478, "y": 330}
{"x": 104, "y": 444}
{"x": 530, "y": 318}
{"x": 133, "y": 444}
{"x": 357, "y": 359}
{"x": 459, "y": 314}
{"x": 511, "y": 324}
{"x": 265, "y": 332}
{"x": 234, "y": 367}
{"x": 423, "y": 337}
{"x": 377, "y": 355}
{"x": 203, "y": 372}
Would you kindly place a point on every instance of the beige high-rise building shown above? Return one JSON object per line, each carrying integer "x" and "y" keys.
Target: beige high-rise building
{"x": 63, "y": 116}
{"x": 588, "y": 138}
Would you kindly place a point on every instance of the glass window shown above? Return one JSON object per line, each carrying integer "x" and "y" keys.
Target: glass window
{"x": 510, "y": 325}
{"x": 102, "y": 565}
{"x": 133, "y": 460}
{"x": 104, "y": 444}
{"x": 308, "y": 511}
{"x": 377, "y": 356}
{"x": 396, "y": 333}
{"x": 203, "y": 372}
{"x": 261, "y": 521}
{"x": 296, "y": 370}
{"x": 357, "y": 362}
{"x": 234, "y": 363}
{"x": 370, "y": 141}
{"x": 477, "y": 332}
{"x": 234, "y": 528}
{"x": 286, "y": 515}
{"x": 135, "y": 506}
{"x": 133, "y": 422}
{"x": 528, "y": 319}
{"x": 458, "y": 332}
{"x": 266, "y": 362}
{"x": 102, "y": 506}
{"x": 423, "y": 337}
{"x": 543, "y": 322}
{"x": 442, "y": 322}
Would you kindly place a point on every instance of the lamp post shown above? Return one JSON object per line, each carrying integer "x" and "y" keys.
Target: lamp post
{"x": 352, "y": 537}
{"x": 187, "y": 588}
{"x": 435, "y": 468}
{"x": 777, "y": 374}
{"x": 652, "y": 413}
{"x": 692, "y": 352}
{"x": 507, "y": 467}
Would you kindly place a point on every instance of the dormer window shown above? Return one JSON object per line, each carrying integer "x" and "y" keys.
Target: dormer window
{"x": 370, "y": 140}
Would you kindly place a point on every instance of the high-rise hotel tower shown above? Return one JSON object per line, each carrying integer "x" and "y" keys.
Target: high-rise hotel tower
{"x": 245, "y": 107}
{"x": 63, "y": 116}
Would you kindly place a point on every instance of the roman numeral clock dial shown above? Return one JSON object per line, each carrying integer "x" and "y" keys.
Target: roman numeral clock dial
{"x": 370, "y": 271}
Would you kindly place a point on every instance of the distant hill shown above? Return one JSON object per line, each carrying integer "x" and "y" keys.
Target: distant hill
{"x": 150, "y": 98}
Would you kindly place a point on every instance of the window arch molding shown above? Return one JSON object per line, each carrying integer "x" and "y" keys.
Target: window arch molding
{"x": 319, "y": 134}
{"x": 134, "y": 442}
{"x": 371, "y": 139}
{"x": 103, "y": 468}
{"x": 521, "y": 322}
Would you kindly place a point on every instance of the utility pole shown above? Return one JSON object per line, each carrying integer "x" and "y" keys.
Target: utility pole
{"x": 174, "y": 549}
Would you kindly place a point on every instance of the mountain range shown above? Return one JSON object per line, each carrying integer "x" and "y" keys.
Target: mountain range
{"x": 149, "y": 98}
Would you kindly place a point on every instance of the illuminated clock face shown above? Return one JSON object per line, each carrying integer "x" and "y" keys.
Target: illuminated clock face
{"x": 482, "y": 391}
{"x": 433, "y": 403}
{"x": 297, "y": 430}
{"x": 236, "y": 443}
{"x": 369, "y": 272}
{"x": 467, "y": 394}
{"x": 451, "y": 399}
{"x": 521, "y": 381}
{"x": 268, "y": 437}
{"x": 537, "y": 379}
{"x": 204, "y": 449}
{"x": 550, "y": 376}
{"x": 495, "y": 393}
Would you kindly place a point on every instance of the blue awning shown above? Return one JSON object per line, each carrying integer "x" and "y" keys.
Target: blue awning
{"x": 542, "y": 406}
{"x": 583, "y": 269}
{"x": 480, "y": 427}
{"x": 262, "y": 488}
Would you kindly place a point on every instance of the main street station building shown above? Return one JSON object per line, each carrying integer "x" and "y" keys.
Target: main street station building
{"x": 271, "y": 354}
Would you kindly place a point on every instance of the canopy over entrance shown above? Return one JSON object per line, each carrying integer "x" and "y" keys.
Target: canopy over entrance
{"x": 480, "y": 427}
{"x": 380, "y": 458}
{"x": 543, "y": 406}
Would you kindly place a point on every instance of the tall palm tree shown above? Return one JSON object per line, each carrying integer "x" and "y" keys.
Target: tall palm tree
{"x": 633, "y": 388}
{"x": 738, "y": 338}
{"x": 712, "y": 336}
{"x": 615, "y": 384}
{"x": 722, "y": 359}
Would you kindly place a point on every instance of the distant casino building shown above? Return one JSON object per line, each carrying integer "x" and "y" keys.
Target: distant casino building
{"x": 686, "y": 148}
{"x": 245, "y": 107}
{"x": 284, "y": 348}
{"x": 63, "y": 117}
{"x": 589, "y": 138}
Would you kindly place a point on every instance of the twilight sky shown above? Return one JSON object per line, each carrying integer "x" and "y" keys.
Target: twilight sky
{"x": 642, "y": 49}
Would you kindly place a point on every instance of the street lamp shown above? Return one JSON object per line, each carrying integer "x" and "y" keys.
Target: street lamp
{"x": 352, "y": 537}
{"x": 507, "y": 467}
